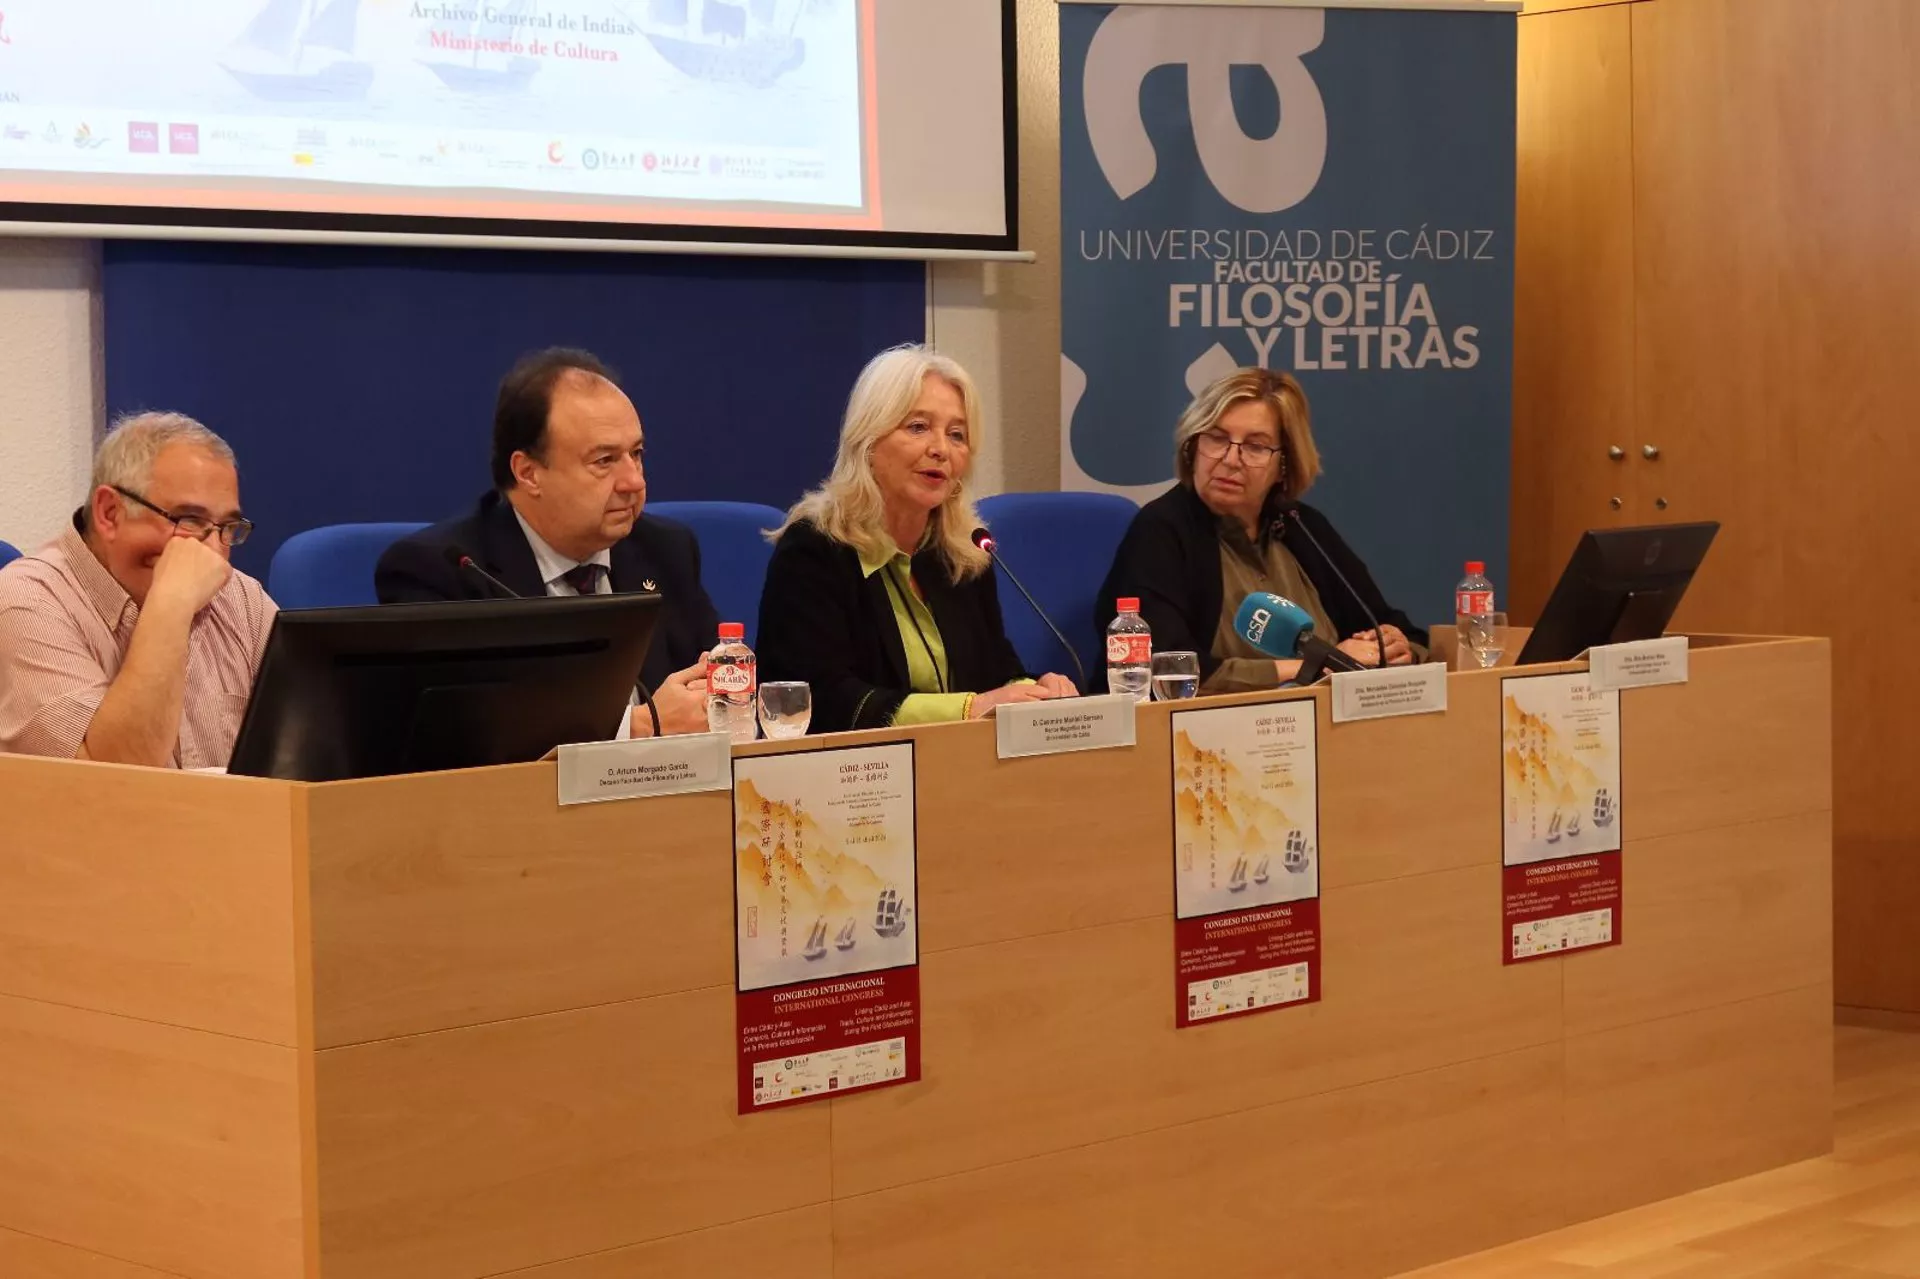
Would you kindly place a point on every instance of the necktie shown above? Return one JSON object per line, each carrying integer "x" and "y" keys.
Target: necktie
{"x": 584, "y": 578}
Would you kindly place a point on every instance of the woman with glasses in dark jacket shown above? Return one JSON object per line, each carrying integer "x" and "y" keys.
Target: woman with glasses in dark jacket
{"x": 1234, "y": 525}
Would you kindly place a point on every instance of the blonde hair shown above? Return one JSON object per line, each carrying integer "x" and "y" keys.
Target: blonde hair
{"x": 1299, "y": 459}
{"x": 849, "y": 507}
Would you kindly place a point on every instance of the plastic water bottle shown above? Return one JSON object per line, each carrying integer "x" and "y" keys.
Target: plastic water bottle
{"x": 1473, "y": 597}
{"x": 1473, "y": 616}
{"x": 1130, "y": 652}
{"x": 732, "y": 680}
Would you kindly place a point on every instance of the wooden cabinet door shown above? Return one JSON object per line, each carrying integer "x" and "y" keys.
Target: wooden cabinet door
{"x": 1573, "y": 384}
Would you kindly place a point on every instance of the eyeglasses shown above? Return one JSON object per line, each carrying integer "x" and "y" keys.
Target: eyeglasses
{"x": 197, "y": 527}
{"x": 1216, "y": 444}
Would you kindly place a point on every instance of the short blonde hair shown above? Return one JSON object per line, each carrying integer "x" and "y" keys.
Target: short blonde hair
{"x": 1300, "y": 460}
{"x": 849, "y": 507}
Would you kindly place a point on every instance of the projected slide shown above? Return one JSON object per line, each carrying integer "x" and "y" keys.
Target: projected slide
{"x": 733, "y": 104}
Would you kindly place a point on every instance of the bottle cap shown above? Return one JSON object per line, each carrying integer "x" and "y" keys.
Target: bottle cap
{"x": 1127, "y": 604}
{"x": 1476, "y": 566}
{"x": 732, "y": 631}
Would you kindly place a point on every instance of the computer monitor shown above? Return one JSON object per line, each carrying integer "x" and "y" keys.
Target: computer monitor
{"x": 1621, "y": 584}
{"x": 410, "y": 688}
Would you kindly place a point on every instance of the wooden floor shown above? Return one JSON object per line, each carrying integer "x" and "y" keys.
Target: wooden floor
{"x": 1853, "y": 1214}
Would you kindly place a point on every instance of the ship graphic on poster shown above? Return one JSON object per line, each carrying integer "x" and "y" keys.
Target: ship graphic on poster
{"x": 1244, "y": 811}
{"x": 825, "y": 885}
{"x": 747, "y": 42}
{"x": 301, "y": 51}
{"x": 1560, "y": 764}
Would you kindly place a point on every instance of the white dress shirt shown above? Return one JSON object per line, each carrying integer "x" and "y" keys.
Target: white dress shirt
{"x": 554, "y": 568}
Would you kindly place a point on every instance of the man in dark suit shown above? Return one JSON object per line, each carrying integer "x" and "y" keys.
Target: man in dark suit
{"x": 565, "y": 519}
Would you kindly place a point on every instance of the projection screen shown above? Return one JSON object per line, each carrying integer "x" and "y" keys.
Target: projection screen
{"x": 877, "y": 123}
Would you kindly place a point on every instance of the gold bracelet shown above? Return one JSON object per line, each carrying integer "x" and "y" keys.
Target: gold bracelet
{"x": 966, "y": 707}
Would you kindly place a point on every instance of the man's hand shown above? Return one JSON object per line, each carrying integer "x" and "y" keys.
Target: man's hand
{"x": 681, "y": 700}
{"x": 187, "y": 576}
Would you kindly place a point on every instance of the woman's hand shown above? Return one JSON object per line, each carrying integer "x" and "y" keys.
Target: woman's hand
{"x": 983, "y": 703}
{"x": 1363, "y": 649}
{"x": 1057, "y": 685}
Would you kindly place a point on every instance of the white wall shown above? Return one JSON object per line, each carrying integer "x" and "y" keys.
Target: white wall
{"x": 52, "y": 396}
{"x": 1000, "y": 320}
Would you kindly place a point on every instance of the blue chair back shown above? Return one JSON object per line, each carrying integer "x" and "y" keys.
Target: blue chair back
{"x": 733, "y": 553}
{"x": 1061, "y": 545}
{"x": 332, "y": 566}
{"x": 8, "y": 553}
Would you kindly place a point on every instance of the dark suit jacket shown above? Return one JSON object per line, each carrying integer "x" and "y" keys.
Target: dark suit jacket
{"x": 1170, "y": 559}
{"x": 822, "y": 622}
{"x": 658, "y": 551}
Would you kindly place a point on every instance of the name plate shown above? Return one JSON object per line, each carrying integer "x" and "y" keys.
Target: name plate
{"x": 1638, "y": 664}
{"x": 1064, "y": 724}
{"x": 593, "y": 772}
{"x": 1397, "y": 690}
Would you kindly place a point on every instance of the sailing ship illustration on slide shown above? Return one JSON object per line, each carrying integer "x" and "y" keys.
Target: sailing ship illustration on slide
{"x": 746, "y": 43}
{"x": 816, "y": 940}
{"x": 484, "y": 72}
{"x": 1604, "y": 810}
{"x": 1573, "y": 826}
{"x": 1237, "y": 881}
{"x": 1260, "y": 875}
{"x": 1298, "y": 856}
{"x": 301, "y": 51}
{"x": 889, "y": 914}
{"x": 1553, "y": 827}
{"x": 843, "y": 940}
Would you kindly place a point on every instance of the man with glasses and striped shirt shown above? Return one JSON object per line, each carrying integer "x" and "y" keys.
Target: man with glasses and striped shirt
{"x": 130, "y": 638}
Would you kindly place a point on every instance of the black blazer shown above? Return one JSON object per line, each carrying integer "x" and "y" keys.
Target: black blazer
{"x": 822, "y": 622}
{"x": 1170, "y": 559}
{"x": 659, "y": 555}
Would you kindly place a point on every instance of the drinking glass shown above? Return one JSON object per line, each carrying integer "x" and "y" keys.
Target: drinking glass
{"x": 786, "y": 708}
{"x": 1176, "y": 675}
{"x": 1483, "y": 639}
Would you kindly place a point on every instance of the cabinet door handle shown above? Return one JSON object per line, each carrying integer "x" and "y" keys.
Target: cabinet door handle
{"x": 1614, "y": 502}
{"x": 1615, "y": 452}
{"x": 1650, "y": 451}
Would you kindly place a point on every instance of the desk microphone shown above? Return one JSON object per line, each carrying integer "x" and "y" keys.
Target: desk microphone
{"x": 464, "y": 563}
{"x": 1291, "y": 511}
{"x": 1283, "y": 630}
{"x": 984, "y": 540}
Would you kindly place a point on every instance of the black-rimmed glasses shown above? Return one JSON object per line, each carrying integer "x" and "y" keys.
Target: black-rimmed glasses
{"x": 197, "y": 527}
{"x": 1216, "y": 444}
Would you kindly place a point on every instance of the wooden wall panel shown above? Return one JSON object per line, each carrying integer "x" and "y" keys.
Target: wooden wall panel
{"x": 170, "y": 1148}
{"x": 1770, "y": 756}
{"x": 1573, "y": 357}
{"x": 1341, "y": 1184}
{"x": 1778, "y": 276}
{"x": 473, "y": 1151}
{"x": 459, "y": 898}
{"x": 149, "y": 893}
{"x": 1712, "y": 917}
{"x": 784, "y": 1245}
{"x": 26, "y": 1257}
{"x": 1000, "y": 1044}
{"x": 1698, "y": 1083}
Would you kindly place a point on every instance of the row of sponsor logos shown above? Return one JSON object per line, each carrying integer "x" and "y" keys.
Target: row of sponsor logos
{"x": 309, "y": 145}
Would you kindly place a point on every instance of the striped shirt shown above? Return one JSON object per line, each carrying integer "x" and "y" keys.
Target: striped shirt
{"x": 65, "y": 625}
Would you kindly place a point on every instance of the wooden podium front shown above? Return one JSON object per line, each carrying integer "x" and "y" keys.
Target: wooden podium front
{"x": 438, "y": 1027}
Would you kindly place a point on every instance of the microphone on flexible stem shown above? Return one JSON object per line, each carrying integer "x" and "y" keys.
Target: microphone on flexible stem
{"x": 1283, "y": 630}
{"x": 1291, "y": 511}
{"x": 464, "y": 563}
{"x": 984, "y": 540}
